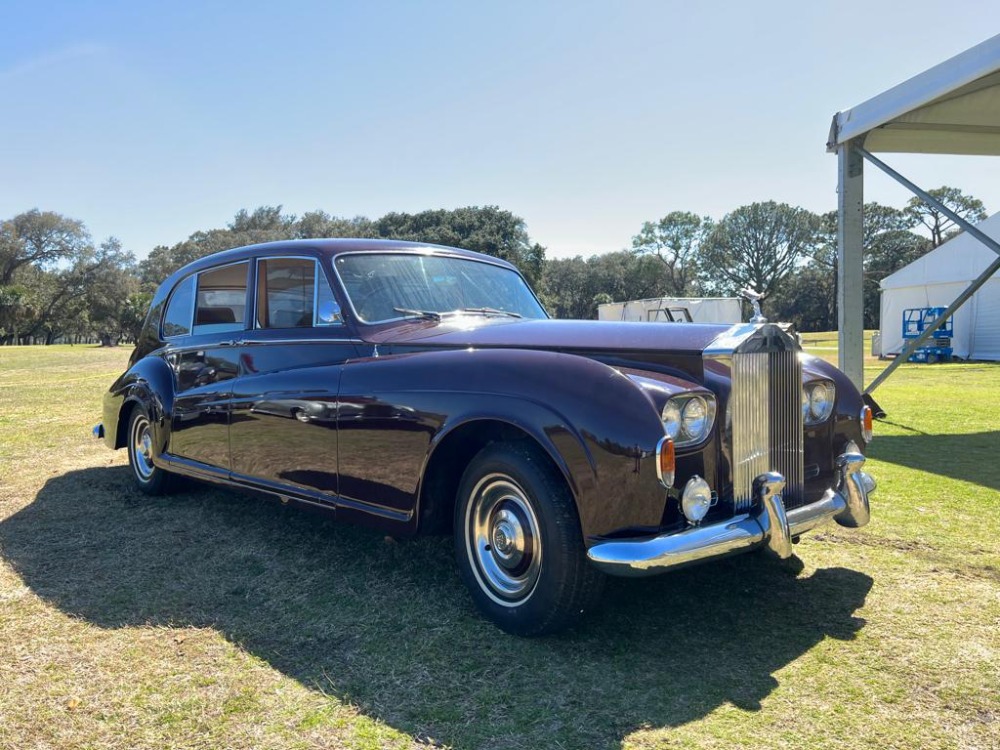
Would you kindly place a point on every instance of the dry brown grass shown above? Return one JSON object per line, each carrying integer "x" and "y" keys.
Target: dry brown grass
{"x": 209, "y": 619}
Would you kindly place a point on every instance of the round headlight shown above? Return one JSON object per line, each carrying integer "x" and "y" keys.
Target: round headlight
{"x": 696, "y": 499}
{"x": 820, "y": 401}
{"x": 805, "y": 404}
{"x": 671, "y": 417}
{"x": 694, "y": 418}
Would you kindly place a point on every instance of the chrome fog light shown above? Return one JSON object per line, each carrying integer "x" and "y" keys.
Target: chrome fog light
{"x": 696, "y": 499}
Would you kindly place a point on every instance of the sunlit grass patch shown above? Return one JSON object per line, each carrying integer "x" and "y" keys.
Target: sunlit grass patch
{"x": 212, "y": 619}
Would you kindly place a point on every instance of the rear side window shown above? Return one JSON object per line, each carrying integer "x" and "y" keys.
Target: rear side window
{"x": 221, "y": 299}
{"x": 180, "y": 311}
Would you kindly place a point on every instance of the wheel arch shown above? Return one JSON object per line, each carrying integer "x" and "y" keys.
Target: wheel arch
{"x": 452, "y": 451}
{"x": 149, "y": 383}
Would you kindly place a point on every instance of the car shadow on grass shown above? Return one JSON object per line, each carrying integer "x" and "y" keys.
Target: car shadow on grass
{"x": 388, "y": 627}
{"x": 970, "y": 457}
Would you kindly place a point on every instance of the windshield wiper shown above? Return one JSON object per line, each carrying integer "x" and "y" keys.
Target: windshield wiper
{"x": 490, "y": 311}
{"x": 425, "y": 314}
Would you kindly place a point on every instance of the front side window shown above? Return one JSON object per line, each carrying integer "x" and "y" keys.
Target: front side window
{"x": 290, "y": 291}
{"x": 180, "y": 310}
{"x": 384, "y": 286}
{"x": 221, "y": 299}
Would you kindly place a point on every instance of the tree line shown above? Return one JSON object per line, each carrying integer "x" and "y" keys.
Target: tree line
{"x": 56, "y": 284}
{"x": 784, "y": 252}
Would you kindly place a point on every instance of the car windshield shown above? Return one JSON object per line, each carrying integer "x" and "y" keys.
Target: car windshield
{"x": 384, "y": 286}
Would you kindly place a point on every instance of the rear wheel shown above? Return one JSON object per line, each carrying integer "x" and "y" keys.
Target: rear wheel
{"x": 148, "y": 477}
{"x": 518, "y": 542}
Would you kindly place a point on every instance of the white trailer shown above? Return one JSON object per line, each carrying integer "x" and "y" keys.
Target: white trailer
{"x": 675, "y": 309}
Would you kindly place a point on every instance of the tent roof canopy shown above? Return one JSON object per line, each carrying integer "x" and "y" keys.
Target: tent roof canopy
{"x": 959, "y": 260}
{"x": 952, "y": 108}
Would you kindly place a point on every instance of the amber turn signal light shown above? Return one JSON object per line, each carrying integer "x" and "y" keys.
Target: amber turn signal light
{"x": 866, "y": 424}
{"x": 665, "y": 461}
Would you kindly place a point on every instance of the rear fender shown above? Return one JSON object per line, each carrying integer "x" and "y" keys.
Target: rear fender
{"x": 150, "y": 382}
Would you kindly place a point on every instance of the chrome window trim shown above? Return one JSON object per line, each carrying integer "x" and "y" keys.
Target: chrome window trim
{"x": 434, "y": 253}
{"x": 254, "y": 342}
{"x": 262, "y": 342}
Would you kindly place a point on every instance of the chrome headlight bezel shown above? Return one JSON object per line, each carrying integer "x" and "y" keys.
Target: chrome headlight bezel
{"x": 680, "y": 420}
{"x": 818, "y": 400}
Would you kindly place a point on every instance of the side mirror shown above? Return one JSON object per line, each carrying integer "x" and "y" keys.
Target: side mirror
{"x": 329, "y": 313}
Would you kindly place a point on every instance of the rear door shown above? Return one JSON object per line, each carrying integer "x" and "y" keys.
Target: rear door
{"x": 205, "y": 316}
{"x": 283, "y": 433}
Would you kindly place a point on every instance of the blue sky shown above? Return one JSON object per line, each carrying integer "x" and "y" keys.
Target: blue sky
{"x": 149, "y": 121}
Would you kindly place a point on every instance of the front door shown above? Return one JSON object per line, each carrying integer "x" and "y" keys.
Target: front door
{"x": 283, "y": 432}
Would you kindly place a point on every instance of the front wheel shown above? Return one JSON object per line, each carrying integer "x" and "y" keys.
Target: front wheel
{"x": 149, "y": 478}
{"x": 518, "y": 542}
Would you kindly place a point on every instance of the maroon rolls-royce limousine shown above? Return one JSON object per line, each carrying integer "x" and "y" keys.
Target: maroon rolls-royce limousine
{"x": 424, "y": 390}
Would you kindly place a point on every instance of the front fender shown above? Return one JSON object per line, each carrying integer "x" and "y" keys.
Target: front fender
{"x": 598, "y": 426}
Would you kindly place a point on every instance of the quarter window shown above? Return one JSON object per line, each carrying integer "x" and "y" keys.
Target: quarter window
{"x": 180, "y": 311}
{"x": 288, "y": 291}
{"x": 221, "y": 301}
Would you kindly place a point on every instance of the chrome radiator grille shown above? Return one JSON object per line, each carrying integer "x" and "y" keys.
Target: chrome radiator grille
{"x": 767, "y": 432}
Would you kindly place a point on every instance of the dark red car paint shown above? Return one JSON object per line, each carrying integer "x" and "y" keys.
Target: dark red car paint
{"x": 369, "y": 421}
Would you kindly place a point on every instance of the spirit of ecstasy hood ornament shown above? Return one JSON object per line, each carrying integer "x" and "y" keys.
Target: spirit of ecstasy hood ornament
{"x": 754, "y": 297}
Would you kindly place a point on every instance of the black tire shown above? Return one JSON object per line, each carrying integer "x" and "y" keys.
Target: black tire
{"x": 518, "y": 542}
{"x": 150, "y": 479}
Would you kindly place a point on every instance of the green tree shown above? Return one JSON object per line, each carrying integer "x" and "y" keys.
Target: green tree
{"x": 38, "y": 238}
{"x": 316, "y": 224}
{"x": 935, "y": 222}
{"x": 46, "y": 262}
{"x": 888, "y": 244}
{"x": 676, "y": 241}
{"x": 485, "y": 229}
{"x": 758, "y": 246}
{"x": 110, "y": 290}
{"x": 574, "y": 287}
{"x": 806, "y": 298}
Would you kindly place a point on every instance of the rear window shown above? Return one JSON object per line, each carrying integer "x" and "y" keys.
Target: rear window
{"x": 180, "y": 311}
{"x": 221, "y": 300}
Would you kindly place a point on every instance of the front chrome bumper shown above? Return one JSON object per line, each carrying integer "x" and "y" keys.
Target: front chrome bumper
{"x": 768, "y": 526}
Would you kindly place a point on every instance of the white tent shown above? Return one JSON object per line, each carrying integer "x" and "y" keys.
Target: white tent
{"x": 937, "y": 278}
{"x": 662, "y": 309}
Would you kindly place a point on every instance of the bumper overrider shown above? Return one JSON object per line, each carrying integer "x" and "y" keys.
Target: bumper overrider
{"x": 768, "y": 526}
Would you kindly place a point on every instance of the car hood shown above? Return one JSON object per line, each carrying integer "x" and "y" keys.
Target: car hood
{"x": 558, "y": 335}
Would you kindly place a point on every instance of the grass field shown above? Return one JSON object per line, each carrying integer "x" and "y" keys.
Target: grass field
{"x": 210, "y": 619}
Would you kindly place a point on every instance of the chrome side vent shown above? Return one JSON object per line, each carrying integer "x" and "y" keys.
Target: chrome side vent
{"x": 765, "y": 409}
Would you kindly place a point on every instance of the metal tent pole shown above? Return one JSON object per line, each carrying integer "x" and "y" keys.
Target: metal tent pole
{"x": 964, "y": 296}
{"x": 850, "y": 268}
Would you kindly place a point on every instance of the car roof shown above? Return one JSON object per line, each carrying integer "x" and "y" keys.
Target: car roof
{"x": 332, "y": 248}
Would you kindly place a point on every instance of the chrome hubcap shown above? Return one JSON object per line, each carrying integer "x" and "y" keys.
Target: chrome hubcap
{"x": 502, "y": 540}
{"x": 142, "y": 448}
